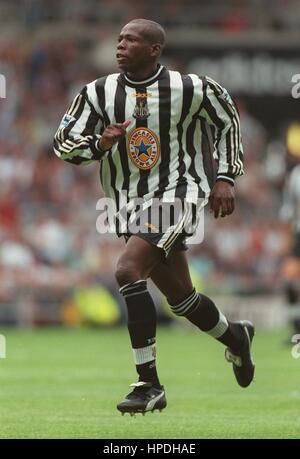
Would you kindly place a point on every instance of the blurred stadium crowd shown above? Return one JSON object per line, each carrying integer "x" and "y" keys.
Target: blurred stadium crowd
{"x": 232, "y": 14}
{"x": 49, "y": 243}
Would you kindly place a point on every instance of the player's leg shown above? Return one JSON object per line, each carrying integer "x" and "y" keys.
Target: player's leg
{"x": 173, "y": 280}
{"x": 137, "y": 261}
{"x": 173, "y": 277}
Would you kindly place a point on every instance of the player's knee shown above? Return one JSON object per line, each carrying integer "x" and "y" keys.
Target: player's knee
{"x": 127, "y": 272}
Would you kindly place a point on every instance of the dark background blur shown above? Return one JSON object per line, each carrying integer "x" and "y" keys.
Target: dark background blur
{"x": 54, "y": 266}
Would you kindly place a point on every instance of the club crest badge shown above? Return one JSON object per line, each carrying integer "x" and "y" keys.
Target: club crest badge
{"x": 143, "y": 148}
{"x": 141, "y": 110}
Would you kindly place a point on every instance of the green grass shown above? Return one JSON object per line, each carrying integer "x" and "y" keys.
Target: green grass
{"x": 61, "y": 383}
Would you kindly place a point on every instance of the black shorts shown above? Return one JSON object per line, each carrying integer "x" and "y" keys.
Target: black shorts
{"x": 178, "y": 246}
{"x": 166, "y": 227}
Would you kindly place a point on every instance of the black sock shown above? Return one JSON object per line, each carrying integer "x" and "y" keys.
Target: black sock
{"x": 202, "y": 312}
{"x": 142, "y": 329}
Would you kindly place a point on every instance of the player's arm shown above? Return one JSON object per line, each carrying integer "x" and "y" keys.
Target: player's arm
{"x": 219, "y": 111}
{"x": 75, "y": 140}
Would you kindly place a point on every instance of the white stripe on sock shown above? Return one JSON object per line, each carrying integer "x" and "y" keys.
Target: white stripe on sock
{"x": 132, "y": 285}
{"x": 126, "y": 295}
{"x": 181, "y": 308}
{"x": 144, "y": 354}
{"x": 220, "y": 328}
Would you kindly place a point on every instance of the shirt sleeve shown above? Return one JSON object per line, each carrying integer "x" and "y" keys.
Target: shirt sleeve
{"x": 75, "y": 140}
{"x": 219, "y": 111}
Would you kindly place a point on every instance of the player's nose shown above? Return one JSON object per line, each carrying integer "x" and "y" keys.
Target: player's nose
{"x": 121, "y": 45}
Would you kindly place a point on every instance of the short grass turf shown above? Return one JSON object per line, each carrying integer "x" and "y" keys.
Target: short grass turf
{"x": 62, "y": 383}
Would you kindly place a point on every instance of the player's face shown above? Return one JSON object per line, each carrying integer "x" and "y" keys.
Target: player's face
{"x": 133, "y": 51}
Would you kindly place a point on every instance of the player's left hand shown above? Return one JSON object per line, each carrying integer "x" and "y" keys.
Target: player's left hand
{"x": 221, "y": 199}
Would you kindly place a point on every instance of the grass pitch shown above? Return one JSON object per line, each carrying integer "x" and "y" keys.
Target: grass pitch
{"x": 61, "y": 383}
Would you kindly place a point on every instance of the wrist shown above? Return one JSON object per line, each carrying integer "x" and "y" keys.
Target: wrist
{"x": 96, "y": 150}
{"x": 228, "y": 178}
{"x": 100, "y": 148}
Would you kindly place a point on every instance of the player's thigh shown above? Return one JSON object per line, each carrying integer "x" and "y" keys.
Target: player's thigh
{"x": 140, "y": 256}
{"x": 173, "y": 278}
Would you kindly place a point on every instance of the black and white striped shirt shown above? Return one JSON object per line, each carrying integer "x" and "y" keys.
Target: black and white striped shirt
{"x": 166, "y": 152}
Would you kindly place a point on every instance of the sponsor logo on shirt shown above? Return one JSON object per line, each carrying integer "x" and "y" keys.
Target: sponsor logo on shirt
{"x": 143, "y": 148}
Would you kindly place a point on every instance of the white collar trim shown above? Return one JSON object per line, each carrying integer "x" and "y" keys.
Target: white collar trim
{"x": 145, "y": 81}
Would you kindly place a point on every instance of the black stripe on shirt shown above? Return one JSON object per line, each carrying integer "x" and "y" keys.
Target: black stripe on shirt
{"x": 142, "y": 185}
{"x": 187, "y": 99}
{"x": 120, "y": 107}
{"x": 207, "y": 152}
{"x": 100, "y": 90}
{"x": 192, "y": 153}
{"x": 164, "y": 92}
{"x": 92, "y": 121}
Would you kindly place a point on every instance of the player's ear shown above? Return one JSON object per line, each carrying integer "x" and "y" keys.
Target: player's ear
{"x": 155, "y": 50}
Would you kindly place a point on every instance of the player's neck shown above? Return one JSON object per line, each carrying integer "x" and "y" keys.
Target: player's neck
{"x": 144, "y": 73}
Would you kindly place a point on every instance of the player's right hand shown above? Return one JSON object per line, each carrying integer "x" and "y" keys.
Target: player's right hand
{"x": 112, "y": 134}
{"x": 221, "y": 199}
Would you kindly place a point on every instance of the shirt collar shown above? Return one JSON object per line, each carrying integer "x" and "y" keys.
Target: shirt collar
{"x": 148, "y": 81}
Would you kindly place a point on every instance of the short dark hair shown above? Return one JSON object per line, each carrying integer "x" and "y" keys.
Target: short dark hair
{"x": 152, "y": 31}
